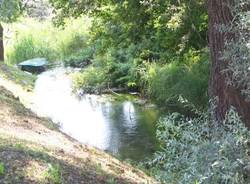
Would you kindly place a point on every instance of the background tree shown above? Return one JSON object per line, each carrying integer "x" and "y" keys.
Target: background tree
{"x": 9, "y": 11}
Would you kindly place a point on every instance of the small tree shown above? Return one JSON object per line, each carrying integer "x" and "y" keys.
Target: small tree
{"x": 9, "y": 12}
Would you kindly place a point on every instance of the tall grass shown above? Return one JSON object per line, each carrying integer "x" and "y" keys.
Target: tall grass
{"x": 30, "y": 38}
{"x": 29, "y": 47}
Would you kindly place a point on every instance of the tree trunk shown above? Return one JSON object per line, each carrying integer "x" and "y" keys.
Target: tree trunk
{"x": 1, "y": 44}
{"x": 219, "y": 14}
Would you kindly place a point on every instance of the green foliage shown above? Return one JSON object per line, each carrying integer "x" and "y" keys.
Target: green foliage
{"x": 32, "y": 38}
{"x": 154, "y": 47}
{"x": 2, "y": 170}
{"x": 79, "y": 59}
{"x": 92, "y": 80}
{"x": 72, "y": 43}
{"x": 202, "y": 151}
{"x": 111, "y": 181}
{"x": 237, "y": 50}
{"x": 188, "y": 79}
{"x": 11, "y": 73}
{"x": 157, "y": 26}
{"x": 28, "y": 47}
{"x": 10, "y": 10}
{"x": 54, "y": 174}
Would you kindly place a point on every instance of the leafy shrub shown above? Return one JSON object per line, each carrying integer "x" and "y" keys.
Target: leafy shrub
{"x": 202, "y": 151}
{"x": 80, "y": 59}
{"x": 91, "y": 80}
{"x": 188, "y": 80}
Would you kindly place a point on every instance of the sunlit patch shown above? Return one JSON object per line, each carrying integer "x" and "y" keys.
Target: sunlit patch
{"x": 82, "y": 120}
{"x": 34, "y": 171}
{"x": 130, "y": 115}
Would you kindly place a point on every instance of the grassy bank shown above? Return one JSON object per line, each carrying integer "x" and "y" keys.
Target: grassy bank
{"x": 12, "y": 73}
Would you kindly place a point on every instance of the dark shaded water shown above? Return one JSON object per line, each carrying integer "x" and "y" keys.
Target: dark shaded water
{"x": 121, "y": 128}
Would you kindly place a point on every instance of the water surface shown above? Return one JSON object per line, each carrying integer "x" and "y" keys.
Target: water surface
{"x": 121, "y": 128}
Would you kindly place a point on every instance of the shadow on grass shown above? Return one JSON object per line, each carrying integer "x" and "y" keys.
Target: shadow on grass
{"x": 26, "y": 166}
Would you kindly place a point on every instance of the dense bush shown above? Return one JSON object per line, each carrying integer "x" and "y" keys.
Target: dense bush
{"x": 188, "y": 78}
{"x": 79, "y": 59}
{"x": 92, "y": 80}
{"x": 200, "y": 151}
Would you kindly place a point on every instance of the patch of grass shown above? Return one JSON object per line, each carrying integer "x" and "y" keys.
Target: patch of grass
{"x": 111, "y": 181}
{"x": 19, "y": 146}
{"x": 28, "y": 47}
{"x": 27, "y": 81}
{"x": 53, "y": 174}
{"x": 2, "y": 170}
{"x": 98, "y": 168}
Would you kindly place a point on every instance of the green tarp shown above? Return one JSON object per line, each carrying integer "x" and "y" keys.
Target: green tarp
{"x": 37, "y": 62}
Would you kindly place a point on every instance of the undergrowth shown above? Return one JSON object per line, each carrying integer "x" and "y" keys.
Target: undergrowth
{"x": 201, "y": 151}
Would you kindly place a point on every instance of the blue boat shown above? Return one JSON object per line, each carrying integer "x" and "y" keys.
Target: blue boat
{"x": 36, "y": 65}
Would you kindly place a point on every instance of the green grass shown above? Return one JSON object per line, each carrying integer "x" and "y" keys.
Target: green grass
{"x": 53, "y": 174}
{"x": 19, "y": 77}
{"x": 2, "y": 170}
{"x": 30, "y": 38}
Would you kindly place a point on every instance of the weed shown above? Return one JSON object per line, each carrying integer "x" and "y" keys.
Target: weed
{"x": 53, "y": 174}
{"x": 2, "y": 170}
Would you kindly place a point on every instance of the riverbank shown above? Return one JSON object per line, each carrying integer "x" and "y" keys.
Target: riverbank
{"x": 33, "y": 150}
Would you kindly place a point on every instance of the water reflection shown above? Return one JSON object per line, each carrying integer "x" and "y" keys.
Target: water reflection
{"x": 121, "y": 128}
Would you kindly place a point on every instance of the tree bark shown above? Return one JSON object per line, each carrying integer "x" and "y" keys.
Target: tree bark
{"x": 219, "y": 14}
{"x": 1, "y": 44}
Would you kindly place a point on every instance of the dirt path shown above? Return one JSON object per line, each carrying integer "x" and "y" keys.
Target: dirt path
{"x": 32, "y": 150}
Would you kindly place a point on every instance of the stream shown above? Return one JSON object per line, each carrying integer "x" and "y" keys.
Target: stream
{"x": 120, "y": 127}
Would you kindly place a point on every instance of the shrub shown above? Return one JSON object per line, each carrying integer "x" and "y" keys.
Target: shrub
{"x": 188, "y": 79}
{"x": 202, "y": 151}
{"x": 79, "y": 59}
{"x": 91, "y": 80}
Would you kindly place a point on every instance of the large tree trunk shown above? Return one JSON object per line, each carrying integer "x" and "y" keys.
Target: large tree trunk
{"x": 227, "y": 96}
{"x": 1, "y": 44}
